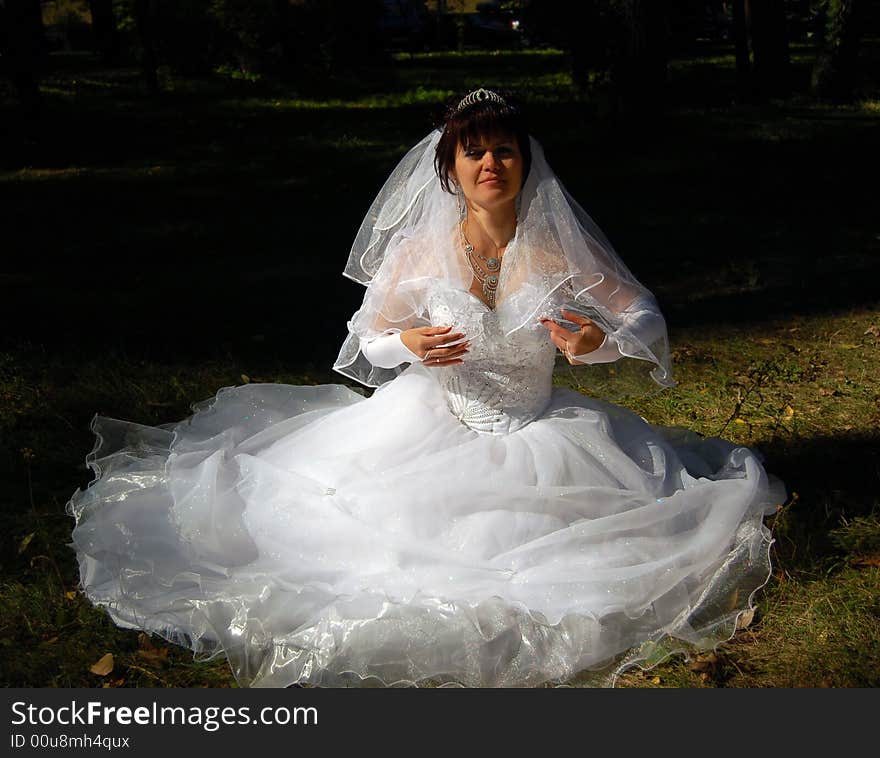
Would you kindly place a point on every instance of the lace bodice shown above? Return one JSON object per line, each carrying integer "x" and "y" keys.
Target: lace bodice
{"x": 504, "y": 381}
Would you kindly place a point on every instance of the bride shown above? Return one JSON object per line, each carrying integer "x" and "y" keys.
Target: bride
{"x": 468, "y": 523}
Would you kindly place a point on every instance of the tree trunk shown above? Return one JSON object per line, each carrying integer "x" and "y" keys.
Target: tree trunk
{"x": 286, "y": 35}
{"x": 770, "y": 47}
{"x": 641, "y": 72}
{"x": 104, "y": 29}
{"x": 583, "y": 26}
{"x": 23, "y": 51}
{"x": 834, "y": 74}
{"x": 743, "y": 60}
{"x": 144, "y": 13}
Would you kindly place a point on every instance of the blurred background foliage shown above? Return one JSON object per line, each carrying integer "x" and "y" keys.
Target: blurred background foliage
{"x": 620, "y": 47}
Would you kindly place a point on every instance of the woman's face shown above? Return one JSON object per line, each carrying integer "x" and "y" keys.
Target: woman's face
{"x": 489, "y": 170}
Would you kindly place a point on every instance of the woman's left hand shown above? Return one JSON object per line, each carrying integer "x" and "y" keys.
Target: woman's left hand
{"x": 586, "y": 340}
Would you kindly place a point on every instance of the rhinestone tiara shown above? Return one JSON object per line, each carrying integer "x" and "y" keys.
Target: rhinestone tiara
{"x": 479, "y": 96}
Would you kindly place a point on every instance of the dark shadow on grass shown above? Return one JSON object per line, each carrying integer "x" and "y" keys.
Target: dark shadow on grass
{"x": 830, "y": 480}
{"x": 207, "y": 223}
{"x": 200, "y": 225}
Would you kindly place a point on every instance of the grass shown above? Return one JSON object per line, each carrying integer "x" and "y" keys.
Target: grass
{"x": 156, "y": 243}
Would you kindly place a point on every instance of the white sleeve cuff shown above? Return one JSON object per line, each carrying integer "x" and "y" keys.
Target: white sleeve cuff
{"x": 387, "y": 350}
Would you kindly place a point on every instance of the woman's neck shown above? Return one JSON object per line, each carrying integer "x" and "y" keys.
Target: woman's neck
{"x": 494, "y": 226}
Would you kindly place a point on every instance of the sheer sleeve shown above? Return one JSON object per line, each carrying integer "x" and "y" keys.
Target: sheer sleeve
{"x": 394, "y": 301}
{"x": 641, "y": 318}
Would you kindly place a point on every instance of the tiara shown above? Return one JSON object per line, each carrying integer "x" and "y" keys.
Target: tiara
{"x": 479, "y": 96}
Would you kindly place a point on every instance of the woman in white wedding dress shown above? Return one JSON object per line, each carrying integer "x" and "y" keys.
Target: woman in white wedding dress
{"x": 468, "y": 523}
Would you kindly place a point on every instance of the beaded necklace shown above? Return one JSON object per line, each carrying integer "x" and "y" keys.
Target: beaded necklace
{"x": 488, "y": 279}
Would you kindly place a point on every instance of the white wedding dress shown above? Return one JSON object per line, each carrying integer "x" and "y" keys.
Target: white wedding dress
{"x": 469, "y": 524}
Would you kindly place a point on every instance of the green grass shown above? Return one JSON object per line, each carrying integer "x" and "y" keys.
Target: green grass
{"x": 156, "y": 244}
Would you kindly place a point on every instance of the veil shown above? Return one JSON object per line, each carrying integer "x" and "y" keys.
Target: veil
{"x": 558, "y": 257}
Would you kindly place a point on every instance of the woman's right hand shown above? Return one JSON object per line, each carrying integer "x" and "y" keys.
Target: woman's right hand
{"x": 427, "y": 342}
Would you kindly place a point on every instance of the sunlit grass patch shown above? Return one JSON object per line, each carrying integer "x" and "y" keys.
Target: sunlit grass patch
{"x": 471, "y": 57}
{"x": 418, "y": 96}
{"x": 820, "y": 633}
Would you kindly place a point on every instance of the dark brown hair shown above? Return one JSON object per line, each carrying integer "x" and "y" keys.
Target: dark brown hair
{"x": 482, "y": 119}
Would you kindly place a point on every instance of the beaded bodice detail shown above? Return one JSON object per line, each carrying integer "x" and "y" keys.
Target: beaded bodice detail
{"x": 505, "y": 381}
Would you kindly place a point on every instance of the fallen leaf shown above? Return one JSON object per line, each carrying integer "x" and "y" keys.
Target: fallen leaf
{"x": 739, "y": 421}
{"x": 149, "y": 651}
{"x": 745, "y": 618}
{"x": 156, "y": 655}
{"x": 703, "y": 662}
{"x": 733, "y": 599}
{"x": 866, "y": 560}
{"x": 848, "y": 346}
{"x": 104, "y": 665}
{"x": 22, "y": 546}
{"x": 245, "y": 378}
{"x": 873, "y": 330}
{"x": 655, "y": 680}
{"x": 70, "y": 594}
{"x": 52, "y": 640}
{"x": 789, "y": 411}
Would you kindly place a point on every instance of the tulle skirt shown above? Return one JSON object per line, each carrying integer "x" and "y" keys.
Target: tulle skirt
{"x": 311, "y": 535}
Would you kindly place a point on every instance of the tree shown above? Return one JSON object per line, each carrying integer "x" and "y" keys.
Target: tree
{"x": 762, "y": 57}
{"x": 23, "y": 51}
{"x": 834, "y": 74}
{"x": 287, "y": 36}
{"x": 104, "y": 29}
{"x": 770, "y": 47}
{"x": 618, "y": 48}
{"x": 144, "y": 16}
{"x": 639, "y": 74}
{"x": 741, "y": 42}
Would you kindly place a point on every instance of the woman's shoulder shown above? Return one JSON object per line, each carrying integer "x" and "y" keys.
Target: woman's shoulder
{"x": 426, "y": 253}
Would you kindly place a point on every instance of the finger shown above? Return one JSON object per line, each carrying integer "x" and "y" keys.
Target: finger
{"x": 564, "y": 348}
{"x": 441, "y": 364}
{"x": 555, "y": 329}
{"x": 440, "y": 350}
{"x": 566, "y": 352}
{"x": 432, "y": 330}
{"x": 449, "y": 352}
{"x": 559, "y": 342}
{"x": 445, "y": 339}
{"x": 443, "y": 354}
{"x": 440, "y": 360}
{"x": 576, "y": 317}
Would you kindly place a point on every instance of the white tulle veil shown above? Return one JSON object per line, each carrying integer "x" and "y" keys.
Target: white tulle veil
{"x": 408, "y": 243}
